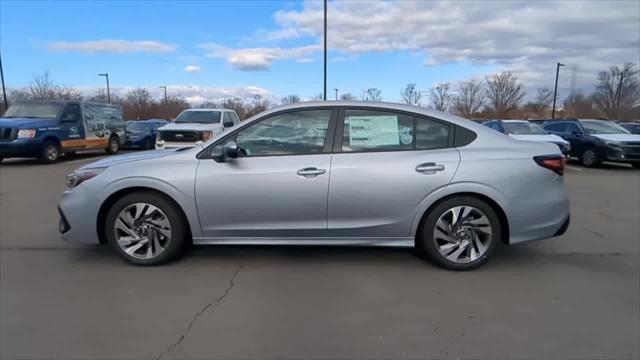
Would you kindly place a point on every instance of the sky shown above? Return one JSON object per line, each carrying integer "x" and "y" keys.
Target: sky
{"x": 211, "y": 50}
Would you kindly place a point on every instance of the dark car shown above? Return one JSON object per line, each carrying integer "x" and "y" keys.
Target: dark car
{"x": 633, "y": 126}
{"x": 595, "y": 141}
{"x": 142, "y": 133}
{"x": 48, "y": 128}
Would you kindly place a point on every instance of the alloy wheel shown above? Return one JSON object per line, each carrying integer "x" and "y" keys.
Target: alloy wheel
{"x": 462, "y": 234}
{"x": 142, "y": 231}
{"x": 51, "y": 152}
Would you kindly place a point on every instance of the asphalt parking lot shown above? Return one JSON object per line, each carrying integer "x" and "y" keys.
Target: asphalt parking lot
{"x": 577, "y": 296}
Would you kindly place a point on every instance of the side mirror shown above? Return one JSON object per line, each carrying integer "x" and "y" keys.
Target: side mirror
{"x": 576, "y": 133}
{"x": 227, "y": 123}
{"x": 230, "y": 150}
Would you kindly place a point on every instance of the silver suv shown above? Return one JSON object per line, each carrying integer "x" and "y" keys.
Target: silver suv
{"x": 331, "y": 173}
{"x": 194, "y": 125}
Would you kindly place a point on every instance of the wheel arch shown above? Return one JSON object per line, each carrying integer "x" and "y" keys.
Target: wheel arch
{"x": 111, "y": 199}
{"x": 495, "y": 205}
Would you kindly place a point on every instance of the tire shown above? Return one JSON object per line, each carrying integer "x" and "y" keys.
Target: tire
{"x": 160, "y": 233}
{"x": 50, "y": 152}
{"x": 461, "y": 248}
{"x": 149, "y": 145}
{"x": 590, "y": 158}
{"x": 113, "y": 146}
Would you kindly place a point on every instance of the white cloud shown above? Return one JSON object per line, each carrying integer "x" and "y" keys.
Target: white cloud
{"x": 257, "y": 59}
{"x": 192, "y": 68}
{"x": 527, "y": 37}
{"x": 112, "y": 46}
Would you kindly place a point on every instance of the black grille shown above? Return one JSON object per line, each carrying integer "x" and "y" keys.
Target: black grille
{"x": 8, "y": 134}
{"x": 181, "y": 136}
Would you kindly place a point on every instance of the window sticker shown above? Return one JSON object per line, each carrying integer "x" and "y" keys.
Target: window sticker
{"x": 375, "y": 130}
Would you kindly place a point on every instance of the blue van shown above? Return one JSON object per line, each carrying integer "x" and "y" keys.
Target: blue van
{"x": 48, "y": 128}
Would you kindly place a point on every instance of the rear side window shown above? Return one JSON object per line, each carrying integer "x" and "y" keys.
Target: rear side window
{"x": 373, "y": 130}
{"x": 560, "y": 128}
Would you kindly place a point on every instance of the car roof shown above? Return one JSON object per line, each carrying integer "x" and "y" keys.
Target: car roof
{"x": 209, "y": 110}
{"x": 516, "y": 121}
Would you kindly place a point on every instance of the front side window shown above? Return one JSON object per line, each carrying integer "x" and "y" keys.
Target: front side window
{"x": 291, "y": 133}
{"x": 200, "y": 117}
{"x": 71, "y": 112}
{"x": 573, "y": 129}
{"x": 558, "y": 128}
{"x": 372, "y": 130}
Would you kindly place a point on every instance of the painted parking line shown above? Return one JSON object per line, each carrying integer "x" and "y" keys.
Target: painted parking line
{"x": 574, "y": 168}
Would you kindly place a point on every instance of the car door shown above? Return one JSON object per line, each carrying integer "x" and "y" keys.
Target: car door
{"x": 574, "y": 135}
{"x": 384, "y": 165}
{"x": 71, "y": 128}
{"x": 278, "y": 188}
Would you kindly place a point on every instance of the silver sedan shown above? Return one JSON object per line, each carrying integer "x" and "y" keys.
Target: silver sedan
{"x": 329, "y": 173}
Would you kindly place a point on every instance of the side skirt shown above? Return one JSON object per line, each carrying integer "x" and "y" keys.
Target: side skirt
{"x": 373, "y": 241}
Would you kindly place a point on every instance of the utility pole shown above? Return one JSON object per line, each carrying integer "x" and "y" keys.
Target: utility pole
{"x": 325, "y": 51}
{"x": 4, "y": 90}
{"x": 166, "y": 99}
{"x": 106, "y": 75}
{"x": 619, "y": 93}
{"x": 555, "y": 91}
{"x": 336, "y": 94}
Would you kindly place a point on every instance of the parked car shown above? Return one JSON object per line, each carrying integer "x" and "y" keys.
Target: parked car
{"x": 631, "y": 126}
{"x": 594, "y": 141}
{"x": 142, "y": 133}
{"x": 527, "y": 131}
{"x": 330, "y": 173}
{"x": 48, "y": 128}
{"x": 194, "y": 125}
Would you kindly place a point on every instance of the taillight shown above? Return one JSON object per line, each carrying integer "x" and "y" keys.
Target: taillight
{"x": 555, "y": 163}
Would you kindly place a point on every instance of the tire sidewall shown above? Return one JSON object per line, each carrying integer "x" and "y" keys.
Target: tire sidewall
{"x": 595, "y": 160}
{"x": 116, "y": 141}
{"x": 428, "y": 246}
{"x": 178, "y": 227}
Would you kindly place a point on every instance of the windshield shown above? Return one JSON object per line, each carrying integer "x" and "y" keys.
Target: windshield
{"x": 134, "y": 125}
{"x": 522, "y": 128}
{"x": 33, "y": 110}
{"x": 634, "y": 129}
{"x": 603, "y": 127}
{"x": 202, "y": 117}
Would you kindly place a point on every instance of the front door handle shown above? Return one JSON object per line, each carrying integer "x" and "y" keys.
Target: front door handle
{"x": 311, "y": 172}
{"x": 429, "y": 168}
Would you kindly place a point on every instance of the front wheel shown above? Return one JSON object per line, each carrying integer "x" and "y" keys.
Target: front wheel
{"x": 114, "y": 145}
{"x": 460, "y": 233}
{"x": 50, "y": 152}
{"x": 145, "y": 228}
{"x": 590, "y": 158}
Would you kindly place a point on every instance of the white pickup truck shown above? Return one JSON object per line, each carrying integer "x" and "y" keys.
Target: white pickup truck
{"x": 194, "y": 125}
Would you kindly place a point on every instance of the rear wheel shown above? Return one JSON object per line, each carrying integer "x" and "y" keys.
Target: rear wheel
{"x": 460, "y": 233}
{"x": 148, "y": 144}
{"x": 50, "y": 152}
{"x": 114, "y": 145}
{"x": 146, "y": 229}
{"x": 590, "y": 158}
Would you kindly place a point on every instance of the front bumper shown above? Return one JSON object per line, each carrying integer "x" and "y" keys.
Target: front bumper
{"x": 78, "y": 211}
{"x": 27, "y": 147}
{"x": 625, "y": 154}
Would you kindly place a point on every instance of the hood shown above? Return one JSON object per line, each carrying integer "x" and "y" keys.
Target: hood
{"x": 126, "y": 158}
{"x": 542, "y": 137}
{"x": 618, "y": 137}
{"x": 27, "y": 123}
{"x": 191, "y": 126}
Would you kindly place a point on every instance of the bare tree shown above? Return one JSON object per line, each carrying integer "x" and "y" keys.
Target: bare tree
{"x": 139, "y": 100}
{"x": 505, "y": 92}
{"x": 258, "y": 105}
{"x": 542, "y": 103}
{"x": 373, "y": 94}
{"x": 236, "y": 105}
{"x": 469, "y": 99}
{"x": 440, "y": 97}
{"x": 290, "y": 99}
{"x": 318, "y": 97}
{"x": 348, "y": 97}
{"x": 41, "y": 86}
{"x": 410, "y": 94}
{"x": 614, "y": 83}
{"x": 577, "y": 105}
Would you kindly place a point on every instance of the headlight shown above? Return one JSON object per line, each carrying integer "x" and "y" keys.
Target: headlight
{"x": 77, "y": 177}
{"x": 26, "y": 133}
{"x": 614, "y": 143}
{"x": 206, "y": 135}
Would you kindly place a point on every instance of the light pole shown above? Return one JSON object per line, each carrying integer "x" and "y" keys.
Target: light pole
{"x": 166, "y": 100}
{"x": 336, "y": 90}
{"x": 555, "y": 91}
{"x": 108, "y": 90}
{"x": 619, "y": 95}
{"x": 4, "y": 90}
{"x": 325, "y": 51}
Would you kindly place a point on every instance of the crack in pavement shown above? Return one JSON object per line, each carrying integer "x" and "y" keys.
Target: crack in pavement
{"x": 213, "y": 303}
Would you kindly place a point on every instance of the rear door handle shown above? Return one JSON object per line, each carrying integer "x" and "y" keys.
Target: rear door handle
{"x": 429, "y": 168}
{"x": 311, "y": 172}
